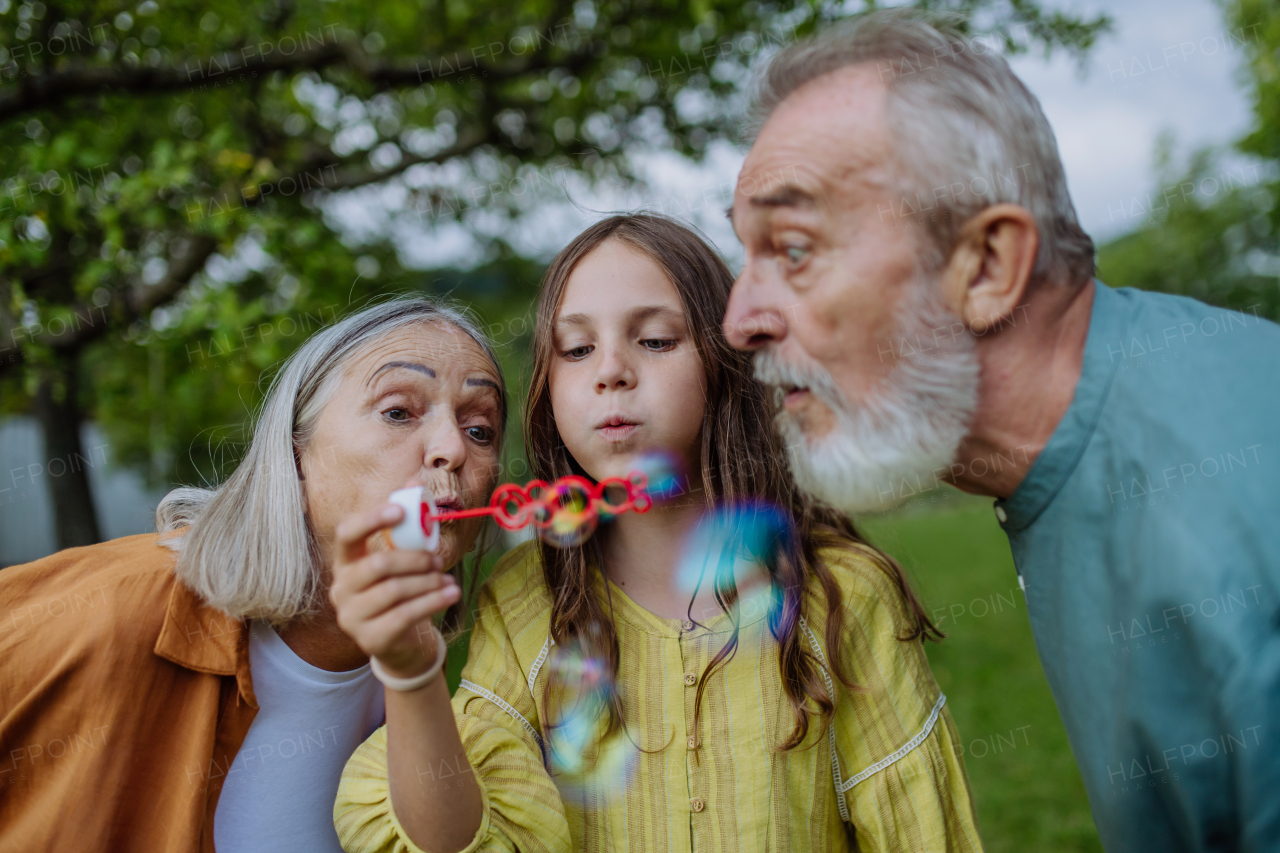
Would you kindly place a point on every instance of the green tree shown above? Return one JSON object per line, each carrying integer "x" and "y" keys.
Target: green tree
{"x": 167, "y": 226}
{"x": 1211, "y": 230}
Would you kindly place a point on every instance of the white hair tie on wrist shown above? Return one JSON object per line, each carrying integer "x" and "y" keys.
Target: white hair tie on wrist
{"x": 405, "y": 685}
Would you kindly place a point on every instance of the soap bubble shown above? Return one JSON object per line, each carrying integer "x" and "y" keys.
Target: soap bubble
{"x": 585, "y": 758}
{"x": 665, "y": 470}
{"x": 566, "y": 516}
{"x": 732, "y": 540}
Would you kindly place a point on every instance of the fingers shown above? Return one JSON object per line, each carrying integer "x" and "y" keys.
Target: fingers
{"x": 353, "y": 532}
{"x": 376, "y": 568}
{"x": 384, "y": 631}
{"x": 366, "y": 605}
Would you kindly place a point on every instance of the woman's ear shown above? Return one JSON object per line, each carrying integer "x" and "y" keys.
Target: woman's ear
{"x": 987, "y": 276}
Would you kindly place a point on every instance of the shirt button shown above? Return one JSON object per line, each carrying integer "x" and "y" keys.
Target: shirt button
{"x": 688, "y": 626}
{"x": 1001, "y": 515}
{"x": 693, "y": 743}
{"x": 690, "y": 679}
{"x": 697, "y": 804}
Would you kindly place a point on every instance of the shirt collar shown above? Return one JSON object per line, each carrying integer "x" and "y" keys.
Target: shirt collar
{"x": 1109, "y": 318}
{"x": 752, "y": 609}
{"x": 205, "y": 639}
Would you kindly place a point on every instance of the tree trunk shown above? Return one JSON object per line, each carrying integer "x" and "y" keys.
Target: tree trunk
{"x": 65, "y": 461}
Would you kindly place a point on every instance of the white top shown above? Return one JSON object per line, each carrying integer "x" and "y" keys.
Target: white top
{"x": 280, "y": 790}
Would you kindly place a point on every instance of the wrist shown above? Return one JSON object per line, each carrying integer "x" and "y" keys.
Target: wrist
{"x": 395, "y": 679}
{"x": 409, "y": 667}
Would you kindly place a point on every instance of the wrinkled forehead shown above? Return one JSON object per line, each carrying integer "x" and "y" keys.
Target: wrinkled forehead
{"x": 438, "y": 344}
{"x": 829, "y": 136}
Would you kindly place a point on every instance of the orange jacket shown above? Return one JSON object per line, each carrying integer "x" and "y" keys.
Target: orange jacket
{"x": 123, "y": 700}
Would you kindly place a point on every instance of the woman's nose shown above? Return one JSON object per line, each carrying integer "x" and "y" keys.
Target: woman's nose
{"x": 445, "y": 446}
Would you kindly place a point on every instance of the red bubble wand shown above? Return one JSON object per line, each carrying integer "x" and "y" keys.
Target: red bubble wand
{"x": 564, "y": 512}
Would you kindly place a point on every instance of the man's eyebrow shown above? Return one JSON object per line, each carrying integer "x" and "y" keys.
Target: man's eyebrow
{"x": 407, "y": 365}
{"x": 484, "y": 383}
{"x": 786, "y": 196}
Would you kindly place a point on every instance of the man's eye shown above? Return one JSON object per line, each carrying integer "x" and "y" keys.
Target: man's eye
{"x": 480, "y": 434}
{"x": 658, "y": 344}
{"x": 397, "y": 414}
{"x": 796, "y": 255}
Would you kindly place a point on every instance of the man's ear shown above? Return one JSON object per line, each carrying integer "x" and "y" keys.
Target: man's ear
{"x": 987, "y": 275}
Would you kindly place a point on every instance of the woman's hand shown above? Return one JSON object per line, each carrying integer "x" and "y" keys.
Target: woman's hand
{"x": 385, "y": 599}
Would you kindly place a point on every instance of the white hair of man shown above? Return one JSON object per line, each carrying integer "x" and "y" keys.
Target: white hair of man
{"x": 249, "y": 549}
{"x": 940, "y": 85}
{"x": 967, "y": 134}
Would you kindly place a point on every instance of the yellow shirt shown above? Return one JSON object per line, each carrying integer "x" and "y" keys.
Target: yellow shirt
{"x": 887, "y": 770}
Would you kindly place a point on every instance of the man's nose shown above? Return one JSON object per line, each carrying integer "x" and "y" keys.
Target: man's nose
{"x": 751, "y": 321}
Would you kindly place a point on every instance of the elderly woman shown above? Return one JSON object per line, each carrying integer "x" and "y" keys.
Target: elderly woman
{"x": 192, "y": 688}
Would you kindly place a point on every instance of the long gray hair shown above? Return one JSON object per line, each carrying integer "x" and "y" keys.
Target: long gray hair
{"x": 963, "y": 126}
{"x": 249, "y": 549}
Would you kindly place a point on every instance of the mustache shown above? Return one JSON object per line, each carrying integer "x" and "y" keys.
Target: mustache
{"x": 772, "y": 370}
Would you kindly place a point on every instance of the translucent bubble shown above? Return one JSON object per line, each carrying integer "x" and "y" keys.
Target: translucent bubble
{"x": 567, "y": 517}
{"x": 733, "y": 540}
{"x": 665, "y": 470}
{"x": 585, "y": 758}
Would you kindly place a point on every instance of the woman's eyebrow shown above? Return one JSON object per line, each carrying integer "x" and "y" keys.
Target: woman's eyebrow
{"x": 406, "y": 365}
{"x": 485, "y": 383}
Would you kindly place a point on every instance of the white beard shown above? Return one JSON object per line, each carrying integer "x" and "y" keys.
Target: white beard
{"x": 890, "y": 445}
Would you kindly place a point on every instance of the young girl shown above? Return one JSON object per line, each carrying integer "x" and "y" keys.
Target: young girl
{"x": 809, "y": 723}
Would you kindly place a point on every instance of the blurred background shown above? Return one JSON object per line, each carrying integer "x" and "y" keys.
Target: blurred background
{"x": 189, "y": 189}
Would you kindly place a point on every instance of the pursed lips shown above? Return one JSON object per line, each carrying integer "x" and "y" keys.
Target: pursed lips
{"x": 448, "y": 503}
{"x": 616, "y": 427}
{"x": 795, "y": 398}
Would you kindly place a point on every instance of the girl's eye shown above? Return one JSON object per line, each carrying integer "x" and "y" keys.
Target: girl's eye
{"x": 482, "y": 435}
{"x": 578, "y": 352}
{"x": 796, "y": 255}
{"x": 658, "y": 344}
{"x": 397, "y": 414}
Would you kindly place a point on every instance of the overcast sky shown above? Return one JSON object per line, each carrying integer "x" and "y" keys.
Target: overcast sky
{"x": 1168, "y": 66}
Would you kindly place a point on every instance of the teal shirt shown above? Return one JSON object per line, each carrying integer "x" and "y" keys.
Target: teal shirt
{"x": 1147, "y": 541}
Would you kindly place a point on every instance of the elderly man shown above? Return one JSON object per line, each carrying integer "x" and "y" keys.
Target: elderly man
{"x": 921, "y": 295}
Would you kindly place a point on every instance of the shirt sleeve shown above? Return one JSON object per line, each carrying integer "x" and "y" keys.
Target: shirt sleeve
{"x": 900, "y": 769}
{"x": 522, "y": 807}
{"x": 920, "y": 802}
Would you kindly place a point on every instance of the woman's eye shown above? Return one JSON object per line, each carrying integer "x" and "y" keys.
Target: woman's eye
{"x": 480, "y": 434}
{"x": 658, "y": 344}
{"x": 578, "y": 352}
{"x": 397, "y": 414}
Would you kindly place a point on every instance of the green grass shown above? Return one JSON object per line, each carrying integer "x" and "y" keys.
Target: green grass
{"x": 1028, "y": 790}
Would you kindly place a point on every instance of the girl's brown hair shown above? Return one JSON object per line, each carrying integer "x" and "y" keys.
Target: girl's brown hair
{"x": 737, "y": 418}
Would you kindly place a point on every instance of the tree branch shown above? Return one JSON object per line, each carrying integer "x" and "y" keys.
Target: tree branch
{"x": 362, "y": 177}
{"x": 51, "y": 88}
{"x": 43, "y": 91}
{"x": 92, "y": 322}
